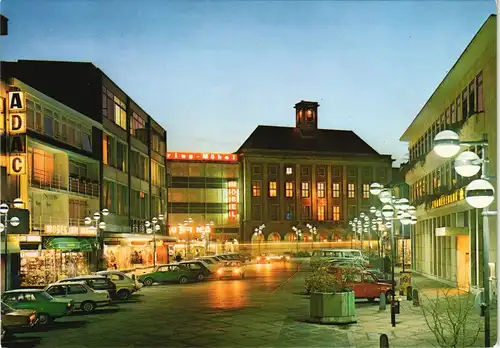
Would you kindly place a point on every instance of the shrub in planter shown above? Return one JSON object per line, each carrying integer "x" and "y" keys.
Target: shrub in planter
{"x": 332, "y": 300}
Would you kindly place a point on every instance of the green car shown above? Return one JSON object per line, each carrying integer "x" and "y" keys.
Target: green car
{"x": 47, "y": 307}
{"x": 167, "y": 273}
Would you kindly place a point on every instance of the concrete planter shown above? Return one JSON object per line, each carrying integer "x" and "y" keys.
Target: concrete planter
{"x": 328, "y": 308}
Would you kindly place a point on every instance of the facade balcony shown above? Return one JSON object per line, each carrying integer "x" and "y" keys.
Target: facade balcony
{"x": 54, "y": 226}
{"x": 54, "y": 182}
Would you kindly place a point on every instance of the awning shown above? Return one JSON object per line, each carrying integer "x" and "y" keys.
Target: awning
{"x": 70, "y": 244}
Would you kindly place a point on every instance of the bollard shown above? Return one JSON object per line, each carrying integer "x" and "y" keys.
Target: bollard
{"x": 409, "y": 294}
{"x": 384, "y": 341}
{"x": 383, "y": 302}
{"x": 416, "y": 299}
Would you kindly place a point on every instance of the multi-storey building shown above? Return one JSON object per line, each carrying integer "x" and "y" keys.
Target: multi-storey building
{"x": 118, "y": 162}
{"x": 203, "y": 199}
{"x": 447, "y": 239}
{"x": 294, "y": 176}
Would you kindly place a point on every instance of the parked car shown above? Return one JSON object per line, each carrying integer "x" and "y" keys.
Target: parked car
{"x": 47, "y": 307}
{"x": 359, "y": 265}
{"x": 212, "y": 262}
{"x": 198, "y": 267}
{"x": 96, "y": 282}
{"x": 83, "y": 296}
{"x": 263, "y": 258}
{"x": 15, "y": 320}
{"x": 167, "y": 273}
{"x": 231, "y": 269}
{"x": 339, "y": 255}
{"x": 239, "y": 257}
{"x": 364, "y": 284}
{"x": 125, "y": 285}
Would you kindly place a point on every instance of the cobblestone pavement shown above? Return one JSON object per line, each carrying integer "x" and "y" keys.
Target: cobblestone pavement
{"x": 266, "y": 309}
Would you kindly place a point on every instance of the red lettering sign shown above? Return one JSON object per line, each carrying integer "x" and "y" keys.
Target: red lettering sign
{"x": 202, "y": 156}
{"x": 232, "y": 195}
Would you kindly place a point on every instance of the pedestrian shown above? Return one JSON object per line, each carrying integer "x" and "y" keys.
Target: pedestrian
{"x": 115, "y": 266}
{"x": 178, "y": 258}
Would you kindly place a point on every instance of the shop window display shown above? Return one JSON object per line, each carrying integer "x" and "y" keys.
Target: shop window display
{"x": 41, "y": 267}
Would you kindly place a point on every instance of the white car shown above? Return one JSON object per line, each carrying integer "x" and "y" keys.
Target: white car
{"x": 125, "y": 285}
{"x": 82, "y": 295}
{"x": 231, "y": 269}
{"x": 212, "y": 263}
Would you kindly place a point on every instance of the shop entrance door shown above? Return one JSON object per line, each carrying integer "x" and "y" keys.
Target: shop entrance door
{"x": 463, "y": 262}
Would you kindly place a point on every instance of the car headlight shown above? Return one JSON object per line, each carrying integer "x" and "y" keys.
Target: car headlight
{"x": 287, "y": 257}
{"x": 236, "y": 270}
{"x": 219, "y": 271}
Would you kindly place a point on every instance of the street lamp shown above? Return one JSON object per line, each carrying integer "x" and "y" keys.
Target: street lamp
{"x": 479, "y": 194}
{"x": 187, "y": 228}
{"x": 258, "y": 233}
{"x": 153, "y": 228}
{"x": 298, "y": 233}
{"x": 14, "y": 222}
{"x": 98, "y": 236}
{"x": 313, "y": 231}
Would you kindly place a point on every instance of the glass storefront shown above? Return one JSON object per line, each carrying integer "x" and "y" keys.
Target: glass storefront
{"x": 42, "y": 267}
{"x": 132, "y": 255}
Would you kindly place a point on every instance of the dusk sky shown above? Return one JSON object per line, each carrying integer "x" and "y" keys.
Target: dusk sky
{"x": 210, "y": 72}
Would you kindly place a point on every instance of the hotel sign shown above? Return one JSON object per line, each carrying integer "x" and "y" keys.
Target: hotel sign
{"x": 202, "y": 156}
{"x": 16, "y": 131}
{"x": 189, "y": 229}
{"x": 449, "y": 199}
{"x": 232, "y": 195}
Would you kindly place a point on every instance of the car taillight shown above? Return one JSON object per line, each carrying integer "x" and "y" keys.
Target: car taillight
{"x": 68, "y": 307}
{"x": 32, "y": 318}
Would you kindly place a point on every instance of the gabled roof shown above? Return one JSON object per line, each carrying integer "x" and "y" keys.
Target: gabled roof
{"x": 292, "y": 139}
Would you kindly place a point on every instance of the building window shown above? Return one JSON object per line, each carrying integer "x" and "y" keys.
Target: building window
{"x": 366, "y": 191}
{"x": 336, "y": 213}
{"x": 108, "y": 195}
{"x": 321, "y": 189}
{"x": 472, "y": 98}
{"x": 274, "y": 212}
{"x": 351, "y": 211}
{"x": 256, "y": 212}
{"x": 336, "y": 172}
{"x": 304, "y": 171}
{"x": 480, "y": 97}
{"x": 336, "y": 190}
{"x": 289, "y": 189}
{"x": 289, "y": 170}
{"x": 465, "y": 110}
{"x": 255, "y": 188}
{"x": 121, "y": 156}
{"x": 86, "y": 142}
{"x": 107, "y": 150}
{"x": 351, "y": 192}
{"x": 352, "y": 172}
{"x": 272, "y": 170}
{"x": 321, "y": 212}
{"x": 272, "y": 189}
{"x": 306, "y": 212}
{"x": 453, "y": 114}
{"x": 121, "y": 200}
{"x": 157, "y": 174}
{"x": 48, "y": 126}
{"x": 157, "y": 143}
{"x": 256, "y": 170}
{"x": 138, "y": 127}
{"x": 321, "y": 171}
{"x": 290, "y": 209}
{"x": 305, "y": 190}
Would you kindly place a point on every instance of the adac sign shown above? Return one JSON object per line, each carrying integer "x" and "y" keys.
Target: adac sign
{"x": 16, "y": 131}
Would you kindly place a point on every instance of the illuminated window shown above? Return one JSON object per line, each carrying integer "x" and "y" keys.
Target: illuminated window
{"x": 138, "y": 127}
{"x": 107, "y": 150}
{"x": 321, "y": 212}
{"x": 272, "y": 189}
{"x": 351, "y": 192}
{"x": 336, "y": 213}
{"x": 366, "y": 191}
{"x": 305, "y": 190}
{"x": 289, "y": 189}
{"x": 255, "y": 188}
{"x": 321, "y": 190}
{"x": 336, "y": 190}
{"x": 289, "y": 170}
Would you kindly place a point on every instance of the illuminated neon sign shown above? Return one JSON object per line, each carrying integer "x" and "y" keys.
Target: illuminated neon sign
{"x": 232, "y": 194}
{"x": 16, "y": 130}
{"x": 189, "y": 229}
{"x": 202, "y": 156}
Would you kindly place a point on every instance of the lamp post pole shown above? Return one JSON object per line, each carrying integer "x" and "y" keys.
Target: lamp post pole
{"x": 14, "y": 222}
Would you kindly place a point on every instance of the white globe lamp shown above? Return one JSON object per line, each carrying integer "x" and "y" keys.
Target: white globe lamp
{"x": 446, "y": 144}
{"x": 467, "y": 164}
{"x": 375, "y": 188}
{"x": 479, "y": 193}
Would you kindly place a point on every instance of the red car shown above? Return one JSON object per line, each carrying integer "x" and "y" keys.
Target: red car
{"x": 365, "y": 284}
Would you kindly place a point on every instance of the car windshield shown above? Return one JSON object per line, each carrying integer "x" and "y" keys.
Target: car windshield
{"x": 44, "y": 295}
{"x": 6, "y": 309}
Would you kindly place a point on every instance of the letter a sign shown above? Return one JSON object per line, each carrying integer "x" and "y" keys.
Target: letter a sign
{"x": 17, "y": 102}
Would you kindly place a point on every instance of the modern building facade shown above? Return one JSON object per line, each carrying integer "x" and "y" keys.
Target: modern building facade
{"x": 203, "y": 199}
{"x": 294, "y": 176}
{"x": 447, "y": 239}
{"x": 118, "y": 162}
